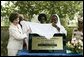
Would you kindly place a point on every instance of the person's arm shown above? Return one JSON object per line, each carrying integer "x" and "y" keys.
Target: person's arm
{"x": 25, "y": 27}
{"x": 16, "y": 34}
{"x": 54, "y": 25}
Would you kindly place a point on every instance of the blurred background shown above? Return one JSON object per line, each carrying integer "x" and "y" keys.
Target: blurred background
{"x": 68, "y": 12}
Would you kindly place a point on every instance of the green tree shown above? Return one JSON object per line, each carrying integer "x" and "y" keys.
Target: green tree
{"x": 28, "y": 8}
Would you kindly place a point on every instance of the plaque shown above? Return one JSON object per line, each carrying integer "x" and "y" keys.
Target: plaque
{"x": 41, "y": 44}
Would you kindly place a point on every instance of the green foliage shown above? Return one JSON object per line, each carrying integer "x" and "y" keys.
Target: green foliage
{"x": 69, "y": 32}
{"x": 4, "y": 40}
{"x": 28, "y": 8}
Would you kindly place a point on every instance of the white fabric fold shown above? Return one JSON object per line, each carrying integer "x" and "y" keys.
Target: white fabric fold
{"x": 46, "y": 30}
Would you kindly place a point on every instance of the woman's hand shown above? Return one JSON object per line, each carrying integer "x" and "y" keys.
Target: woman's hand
{"x": 58, "y": 29}
{"x": 54, "y": 25}
{"x": 28, "y": 30}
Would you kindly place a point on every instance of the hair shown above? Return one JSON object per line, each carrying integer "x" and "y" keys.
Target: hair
{"x": 40, "y": 17}
{"x": 21, "y": 17}
{"x": 54, "y": 15}
{"x": 13, "y": 16}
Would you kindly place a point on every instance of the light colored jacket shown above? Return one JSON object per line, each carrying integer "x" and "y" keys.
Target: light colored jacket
{"x": 15, "y": 37}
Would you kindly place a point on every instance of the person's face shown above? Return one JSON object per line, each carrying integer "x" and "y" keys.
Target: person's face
{"x": 54, "y": 19}
{"x": 43, "y": 20}
{"x": 16, "y": 21}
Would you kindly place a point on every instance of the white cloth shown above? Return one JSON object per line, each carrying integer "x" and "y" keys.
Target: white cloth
{"x": 42, "y": 29}
{"x": 46, "y": 30}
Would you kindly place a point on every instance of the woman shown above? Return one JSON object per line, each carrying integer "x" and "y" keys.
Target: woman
{"x": 42, "y": 18}
{"x": 56, "y": 24}
{"x": 77, "y": 35}
{"x": 25, "y": 28}
{"x": 78, "y": 32}
{"x": 16, "y": 36}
